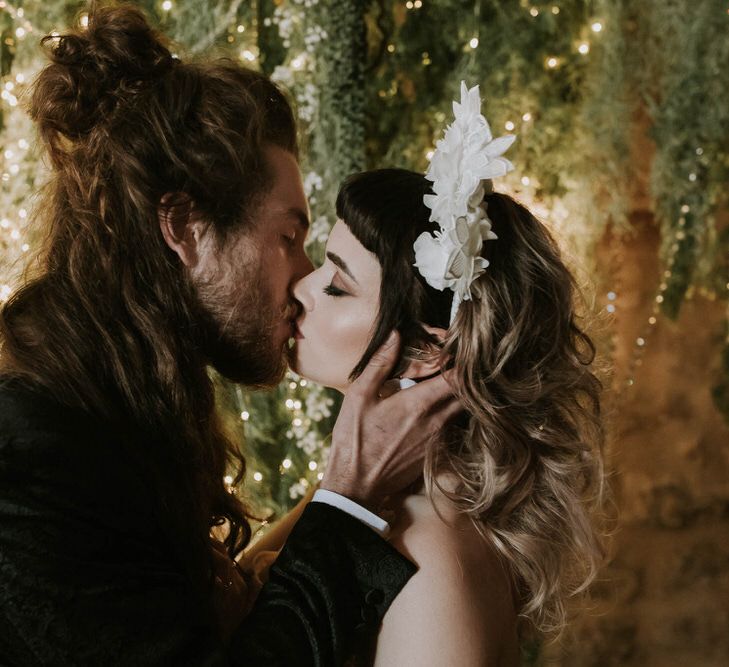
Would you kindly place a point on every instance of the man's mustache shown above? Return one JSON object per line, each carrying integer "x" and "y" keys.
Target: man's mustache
{"x": 292, "y": 310}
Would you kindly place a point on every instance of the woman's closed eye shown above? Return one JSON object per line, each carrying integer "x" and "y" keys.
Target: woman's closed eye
{"x": 332, "y": 290}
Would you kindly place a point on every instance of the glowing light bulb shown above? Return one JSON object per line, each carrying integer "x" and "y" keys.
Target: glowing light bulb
{"x": 257, "y": 476}
{"x": 552, "y": 62}
{"x": 526, "y": 117}
{"x": 525, "y": 180}
{"x": 509, "y": 125}
{"x": 228, "y": 480}
{"x": 245, "y": 415}
{"x": 313, "y": 465}
{"x": 584, "y": 48}
{"x": 84, "y": 21}
{"x": 596, "y": 26}
{"x": 286, "y": 463}
{"x": 167, "y": 5}
{"x": 473, "y": 43}
{"x": 20, "y": 33}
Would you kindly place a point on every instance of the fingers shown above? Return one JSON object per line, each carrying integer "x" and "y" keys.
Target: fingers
{"x": 427, "y": 394}
{"x": 379, "y": 368}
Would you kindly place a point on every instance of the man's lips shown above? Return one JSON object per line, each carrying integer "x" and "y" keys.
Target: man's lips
{"x": 296, "y": 331}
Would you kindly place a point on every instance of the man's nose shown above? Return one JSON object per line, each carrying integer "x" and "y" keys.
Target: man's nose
{"x": 303, "y": 267}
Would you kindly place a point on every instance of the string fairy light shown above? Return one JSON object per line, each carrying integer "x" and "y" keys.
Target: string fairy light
{"x": 641, "y": 341}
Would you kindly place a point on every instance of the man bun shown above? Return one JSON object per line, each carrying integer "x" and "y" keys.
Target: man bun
{"x": 93, "y": 70}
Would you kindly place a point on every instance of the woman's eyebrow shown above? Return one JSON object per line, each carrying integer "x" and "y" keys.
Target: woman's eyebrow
{"x": 336, "y": 259}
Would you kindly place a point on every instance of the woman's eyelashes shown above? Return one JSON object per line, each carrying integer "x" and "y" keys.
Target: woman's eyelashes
{"x": 332, "y": 290}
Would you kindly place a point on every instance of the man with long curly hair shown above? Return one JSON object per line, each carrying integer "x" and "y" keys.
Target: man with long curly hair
{"x": 174, "y": 223}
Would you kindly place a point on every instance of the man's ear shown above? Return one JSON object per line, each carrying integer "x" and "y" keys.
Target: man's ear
{"x": 425, "y": 361}
{"x": 181, "y": 227}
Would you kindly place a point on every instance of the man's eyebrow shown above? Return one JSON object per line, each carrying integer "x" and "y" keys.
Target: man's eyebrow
{"x": 300, "y": 215}
{"x": 336, "y": 259}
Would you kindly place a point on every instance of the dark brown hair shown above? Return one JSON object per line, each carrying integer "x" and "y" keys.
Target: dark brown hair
{"x": 528, "y": 459}
{"x": 108, "y": 322}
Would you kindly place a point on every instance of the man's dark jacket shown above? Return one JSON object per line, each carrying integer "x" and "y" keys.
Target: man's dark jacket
{"x": 87, "y": 579}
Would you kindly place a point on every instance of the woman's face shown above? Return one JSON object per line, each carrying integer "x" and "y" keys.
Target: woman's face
{"x": 340, "y": 304}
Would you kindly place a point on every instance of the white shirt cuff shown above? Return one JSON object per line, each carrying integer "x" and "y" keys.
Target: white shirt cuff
{"x": 350, "y": 507}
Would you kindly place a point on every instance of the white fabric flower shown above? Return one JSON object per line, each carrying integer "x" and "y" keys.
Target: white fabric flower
{"x": 461, "y": 169}
{"x": 466, "y": 156}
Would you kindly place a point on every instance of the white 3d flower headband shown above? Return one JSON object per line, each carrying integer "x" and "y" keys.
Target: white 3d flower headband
{"x": 461, "y": 169}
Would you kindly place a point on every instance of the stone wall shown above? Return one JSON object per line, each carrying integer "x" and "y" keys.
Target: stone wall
{"x": 664, "y": 599}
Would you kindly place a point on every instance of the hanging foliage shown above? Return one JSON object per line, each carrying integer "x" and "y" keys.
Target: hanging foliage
{"x": 373, "y": 83}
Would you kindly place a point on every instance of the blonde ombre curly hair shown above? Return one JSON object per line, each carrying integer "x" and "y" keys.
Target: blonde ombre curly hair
{"x": 528, "y": 454}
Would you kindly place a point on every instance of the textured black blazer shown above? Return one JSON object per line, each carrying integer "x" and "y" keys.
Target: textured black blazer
{"x": 87, "y": 579}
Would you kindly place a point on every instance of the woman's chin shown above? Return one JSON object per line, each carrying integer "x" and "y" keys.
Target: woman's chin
{"x": 309, "y": 371}
{"x": 297, "y": 362}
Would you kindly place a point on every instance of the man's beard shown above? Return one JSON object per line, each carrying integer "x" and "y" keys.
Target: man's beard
{"x": 238, "y": 322}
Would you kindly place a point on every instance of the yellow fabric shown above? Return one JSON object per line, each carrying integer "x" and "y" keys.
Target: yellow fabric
{"x": 258, "y": 558}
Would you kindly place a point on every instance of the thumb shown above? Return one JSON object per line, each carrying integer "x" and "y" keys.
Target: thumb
{"x": 380, "y": 366}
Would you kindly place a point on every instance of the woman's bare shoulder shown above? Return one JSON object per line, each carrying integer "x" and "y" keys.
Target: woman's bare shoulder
{"x": 450, "y": 546}
{"x": 459, "y": 605}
